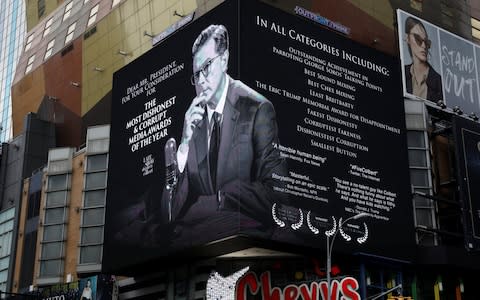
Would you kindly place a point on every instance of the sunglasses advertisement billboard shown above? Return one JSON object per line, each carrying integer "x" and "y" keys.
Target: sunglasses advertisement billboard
{"x": 254, "y": 122}
{"x": 437, "y": 65}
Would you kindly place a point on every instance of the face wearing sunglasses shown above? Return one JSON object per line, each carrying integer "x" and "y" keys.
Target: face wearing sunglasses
{"x": 419, "y": 40}
{"x": 205, "y": 70}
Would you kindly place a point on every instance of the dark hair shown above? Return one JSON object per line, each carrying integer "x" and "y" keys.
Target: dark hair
{"x": 218, "y": 33}
{"x": 411, "y": 22}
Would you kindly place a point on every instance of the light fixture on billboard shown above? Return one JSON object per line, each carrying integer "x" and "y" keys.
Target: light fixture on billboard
{"x": 98, "y": 69}
{"x": 375, "y": 41}
{"x": 441, "y": 104}
{"x": 175, "y": 13}
{"x": 457, "y": 110}
{"x": 74, "y": 83}
{"x": 333, "y": 234}
{"x": 440, "y": 286}
{"x": 122, "y": 52}
{"x": 145, "y": 33}
{"x": 473, "y": 116}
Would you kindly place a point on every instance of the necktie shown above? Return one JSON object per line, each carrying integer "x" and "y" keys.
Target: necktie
{"x": 214, "y": 145}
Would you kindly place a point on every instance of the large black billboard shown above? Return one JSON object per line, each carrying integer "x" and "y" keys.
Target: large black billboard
{"x": 467, "y": 147}
{"x": 274, "y": 128}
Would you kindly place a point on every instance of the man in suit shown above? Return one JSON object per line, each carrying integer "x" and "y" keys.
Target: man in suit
{"x": 227, "y": 153}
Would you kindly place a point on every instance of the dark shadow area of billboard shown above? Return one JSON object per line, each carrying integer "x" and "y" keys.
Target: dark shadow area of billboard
{"x": 239, "y": 245}
{"x": 448, "y": 255}
{"x": 167, "y": 245}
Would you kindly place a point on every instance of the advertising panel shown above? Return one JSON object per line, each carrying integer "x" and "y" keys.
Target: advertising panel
{"x": 438, "y": 65}
{"x": 246, "y": 284}
{"x": 254, "y": 122}
{"x": 467, "y": 147}
{"x": 99, "y": 287}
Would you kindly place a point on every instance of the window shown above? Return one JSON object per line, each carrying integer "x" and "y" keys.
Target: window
{"x": 97, "y": 163}
{"x": 447, "y": 14}
{"x": 90, "y": 254}
{"x": 418, "y": 160}
{"x": 475, "y": 28}
{"x": 96, "y": 180}
{"x": 4, "y": 264}
{"x": 57, "y": 182}
{"x": 56, "y": 199}
{"x": 53, "y": 233}
{"x": 48, "y": 25}
{"x": 92, "y": 235}
{"x": 93, "y": 216}
{"x": 30, "y": 61}
{"x": 49, "y": 49}
{"x": 51, "y": 268}
{"x": 52, "y": 250}
{"x": 96, "y": 175}
{"x": 54, "y": 227}
{"x": 33, "y": 204}
{"x": 41, "y": 8}
{"x": 54, "y": 215}
{"x": 68, "y": 10}
{"x": 115, "y": 2}
{"x": 417, "y": 149}
{"x": 94, "y": 198}
{"x": 70, "y": 32}
{"x": 416, "y": 139}
{"x": 93, "y": 15}
{"x": 93, "y": 212}
{"x": 28, "y": 44}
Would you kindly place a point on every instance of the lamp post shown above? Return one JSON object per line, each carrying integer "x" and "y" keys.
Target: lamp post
{"x": 333, "y": 233}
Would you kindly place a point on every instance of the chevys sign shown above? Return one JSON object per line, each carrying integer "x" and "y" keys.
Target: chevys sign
{"x": 250, "y": 284}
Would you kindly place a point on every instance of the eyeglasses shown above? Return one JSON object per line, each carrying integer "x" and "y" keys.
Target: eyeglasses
{"x": 419, "y": 40}
{"x": 205, "y": 70}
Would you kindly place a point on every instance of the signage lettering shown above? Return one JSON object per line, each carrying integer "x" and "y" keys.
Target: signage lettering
{"x": 347, "y": 288}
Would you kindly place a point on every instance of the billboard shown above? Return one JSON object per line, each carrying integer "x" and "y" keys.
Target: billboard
{"x": 438, "y": 65}
{"x": 99, "y": 287}
{"x": 280, "y": 132}
{"x": 467, "y": 147}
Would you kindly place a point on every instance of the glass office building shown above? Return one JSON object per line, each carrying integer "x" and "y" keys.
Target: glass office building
{"x": 12, "y": 34}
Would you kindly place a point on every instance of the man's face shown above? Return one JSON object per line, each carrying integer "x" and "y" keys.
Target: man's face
{"x": 210, "y": 68}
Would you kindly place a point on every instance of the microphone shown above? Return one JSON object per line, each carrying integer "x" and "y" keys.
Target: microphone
{"x": 171, "y": 172}
{"x": 171, "y": 164}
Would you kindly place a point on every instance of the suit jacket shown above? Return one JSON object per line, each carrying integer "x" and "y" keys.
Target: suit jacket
{"x": 434, "y": 83}
{"x": 247, "y": 159}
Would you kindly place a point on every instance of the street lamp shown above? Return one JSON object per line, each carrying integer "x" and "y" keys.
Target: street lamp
{"x": 333, "y": 232}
